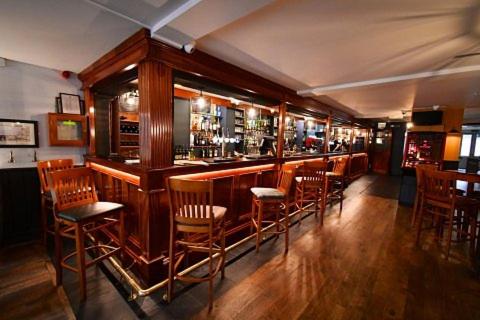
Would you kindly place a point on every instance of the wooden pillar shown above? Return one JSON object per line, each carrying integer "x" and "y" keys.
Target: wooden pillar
{"x": 90, "y": 111}
{"x": 350, "y": 147}
{"x": 282, "y": 110}
{"x": 156, "y": 114}
{"x": 326, "y": 146}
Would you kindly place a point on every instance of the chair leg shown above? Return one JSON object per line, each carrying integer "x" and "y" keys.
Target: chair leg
{"x": 210, "y": 270}
{"x": 58, "y": 254}
{"x": 80, "y": 248}
{"x": 171, "y": 264}
{"x": 449, "y": 235}
{"x": 259, "y": 225}
{"x": 121, "y": 235}
{"x": 222, "y": 252}
{"x": 415, "y": 208}
{"x": 287, "y": 222}
{"x": 302, "y": 194}
{"x": 253, "y": 215}
{"x": 316, "y": 199}
{"x": 341, "y": 195}
{"x": 419, "y": 223}
{"x": 473, "y": 234}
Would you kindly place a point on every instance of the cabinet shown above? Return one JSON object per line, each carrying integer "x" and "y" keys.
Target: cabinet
{"x": 19, "y": 205}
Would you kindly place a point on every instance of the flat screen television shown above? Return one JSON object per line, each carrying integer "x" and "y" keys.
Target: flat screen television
{"x": 427, "y": 118}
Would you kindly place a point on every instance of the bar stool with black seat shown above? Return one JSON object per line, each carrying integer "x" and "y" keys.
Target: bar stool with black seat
{"x": 44, "y": 168}
{"x": 312, "y": 188}
{"x": 196, "y": 225}
{"x": 336, "y": 181}
{"x": 78, "y": 213}
{"x": 269, "y": 203}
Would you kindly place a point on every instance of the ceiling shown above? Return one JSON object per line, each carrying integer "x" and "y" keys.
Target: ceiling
{"x": 373, "y": 58}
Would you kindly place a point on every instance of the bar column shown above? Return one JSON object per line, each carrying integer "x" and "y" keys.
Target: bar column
{"x": 156, "y": 114}
{"x": 282, "y": 111}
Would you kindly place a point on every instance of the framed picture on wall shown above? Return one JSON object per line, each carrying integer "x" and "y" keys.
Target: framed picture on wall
{"x": 18, "y": 133}
{"x": 69, "y": 103}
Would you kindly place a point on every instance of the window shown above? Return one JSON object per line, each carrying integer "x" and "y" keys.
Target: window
{"x": 466, "y": 142}
{"x": 477, "y": 147}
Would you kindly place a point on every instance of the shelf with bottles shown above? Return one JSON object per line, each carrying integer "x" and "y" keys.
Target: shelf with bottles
{"x": 423, "y": 147}
{"x": 239, "y": 113}
{"x": 129, "y": 127}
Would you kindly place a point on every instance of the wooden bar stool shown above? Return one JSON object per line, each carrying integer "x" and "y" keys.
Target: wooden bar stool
{"x": 419, "y": 171}
{"x": 439, "y": 202}
{"x": 270, "y": 202}
{"x": 44, "y": 168}
{"x": 77, "y": 213}
{"x": 312, "y": 187}
{"x": 336, "y": 181}
{"x": 196, "y": 225}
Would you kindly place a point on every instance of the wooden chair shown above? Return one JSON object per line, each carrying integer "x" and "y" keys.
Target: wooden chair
{"x": 312, "y": 187}
{"x": 336, "y": 181}
{"x": 270, "y": 202}
{"x": 419, "y": 170}
{"x": 44, "y": 168}
{"x": 78, "y": 213}
{"x": 196, "y": 225}
{"x": 439, "y": 202}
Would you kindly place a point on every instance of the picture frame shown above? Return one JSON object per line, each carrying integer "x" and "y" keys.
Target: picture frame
{"x": 69, "y": 103}
{"x": 15, "y": 133}
{"x": 67, "y": 130}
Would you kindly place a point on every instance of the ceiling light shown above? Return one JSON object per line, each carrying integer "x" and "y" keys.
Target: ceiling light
{"x": 129, "y": 67}
{"x": 200, "y": 102}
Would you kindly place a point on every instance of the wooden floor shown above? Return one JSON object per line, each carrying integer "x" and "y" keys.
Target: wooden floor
{"x": 26, "y": 286}
{"x": 362, "y": 264}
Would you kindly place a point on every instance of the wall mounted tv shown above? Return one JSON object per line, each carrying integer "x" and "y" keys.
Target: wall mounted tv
{"x": 427, "y": 118}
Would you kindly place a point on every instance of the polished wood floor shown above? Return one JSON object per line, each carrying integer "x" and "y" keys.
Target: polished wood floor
{"x": 362, "y": 264}
{"x": 26, "y": 286}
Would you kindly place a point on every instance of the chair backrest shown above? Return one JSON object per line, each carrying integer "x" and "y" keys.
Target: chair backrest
{"x": 340, "y": 166}
{"x": 47, "y": 166}
{"x": 314, "y": 173}
{"x": 439, "y": 186}
{"x": 191, "y": 201}
{"x": 285, "y": 180}
{"x": 72, "y": 187}
{"x": 420, "y": 170}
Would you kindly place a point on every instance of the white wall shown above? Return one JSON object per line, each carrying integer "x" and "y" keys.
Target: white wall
{"x": 28, "y": 92}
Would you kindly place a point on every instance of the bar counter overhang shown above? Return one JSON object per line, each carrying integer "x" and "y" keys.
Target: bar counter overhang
{"x": 142, "y": 187}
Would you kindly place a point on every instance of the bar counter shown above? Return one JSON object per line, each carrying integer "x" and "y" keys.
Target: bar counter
{"x": 143, "y": 192}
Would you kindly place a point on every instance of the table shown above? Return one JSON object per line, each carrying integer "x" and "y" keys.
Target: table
{"x": 470, "y": 178}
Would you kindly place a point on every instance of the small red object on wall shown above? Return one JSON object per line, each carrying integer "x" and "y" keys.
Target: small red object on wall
{"x": 66, "y": 74}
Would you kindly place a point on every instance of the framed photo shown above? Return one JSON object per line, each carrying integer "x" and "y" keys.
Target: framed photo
{"x": 18, "y": 133}
{"x": 70, "y": 103}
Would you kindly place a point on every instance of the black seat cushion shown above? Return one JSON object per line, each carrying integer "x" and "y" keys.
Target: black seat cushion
{"x": 88, "y": 211}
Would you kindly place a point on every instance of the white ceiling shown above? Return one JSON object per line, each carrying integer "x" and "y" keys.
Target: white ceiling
{"x": 303, "y": 44}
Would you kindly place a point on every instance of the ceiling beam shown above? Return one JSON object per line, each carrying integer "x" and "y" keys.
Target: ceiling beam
{"x": 316, "y": 91}
{"x": 174, "y": 14}
{"x": 121, "y": 15}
